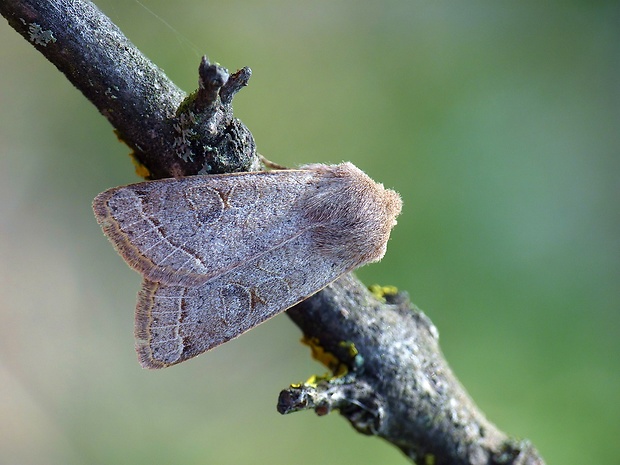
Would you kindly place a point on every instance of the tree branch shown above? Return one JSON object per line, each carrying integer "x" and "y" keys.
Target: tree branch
{"x": 390, "y": 377}
{"x": 397, "y": 384}
{"x": 170, "y": 134}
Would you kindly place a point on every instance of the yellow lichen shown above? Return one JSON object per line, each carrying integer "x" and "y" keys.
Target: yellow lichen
{"x": 380, "y": 292}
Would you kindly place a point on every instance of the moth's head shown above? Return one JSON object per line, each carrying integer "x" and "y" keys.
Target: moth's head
{"x": 392, "y": 204}
{"x": 388, "y": 206}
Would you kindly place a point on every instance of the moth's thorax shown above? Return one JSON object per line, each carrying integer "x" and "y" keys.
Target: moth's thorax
{"x": 353, "y": 214}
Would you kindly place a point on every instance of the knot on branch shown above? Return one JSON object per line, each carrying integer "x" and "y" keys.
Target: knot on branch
{"x": 208, "y": 139}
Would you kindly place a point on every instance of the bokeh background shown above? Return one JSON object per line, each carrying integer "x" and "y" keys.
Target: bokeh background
{"x": 498, "y": 122}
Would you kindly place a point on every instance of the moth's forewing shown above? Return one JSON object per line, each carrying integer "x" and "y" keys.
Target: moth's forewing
{"x": 189, "y": 230}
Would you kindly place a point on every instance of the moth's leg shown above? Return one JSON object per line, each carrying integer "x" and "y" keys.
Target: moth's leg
{"x": 270, "y": 164}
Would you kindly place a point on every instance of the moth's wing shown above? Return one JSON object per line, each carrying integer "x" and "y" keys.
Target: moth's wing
{"x": 177, "y": 322}
{"x": 221, "y": 254}
{"x": 187, "y": 231}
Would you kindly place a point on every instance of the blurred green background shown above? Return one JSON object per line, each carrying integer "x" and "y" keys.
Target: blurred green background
{"x": 499, "y": 124}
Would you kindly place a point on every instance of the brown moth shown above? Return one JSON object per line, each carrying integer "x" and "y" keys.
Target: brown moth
{"x": 220, "y": 254}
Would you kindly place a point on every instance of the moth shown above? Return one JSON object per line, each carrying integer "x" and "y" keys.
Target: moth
{"x": 220, "y": 254}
